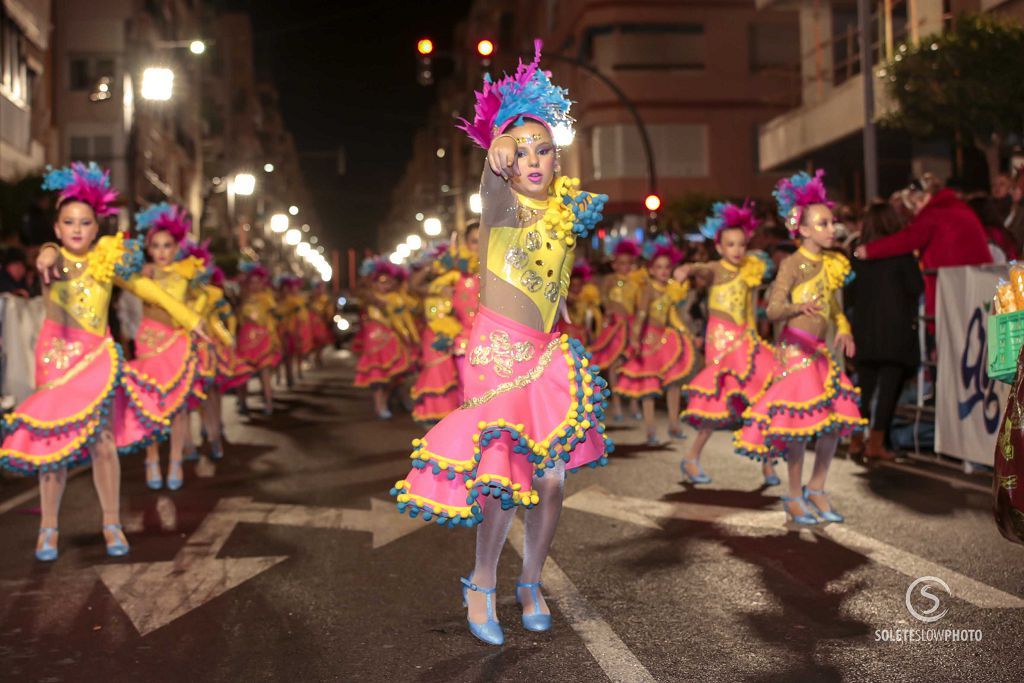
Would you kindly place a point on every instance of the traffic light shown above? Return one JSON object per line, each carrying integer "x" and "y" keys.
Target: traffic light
{"x": 424, "y": 63}
{"x": 652, "y": 202}
{"x": 485, "y": 48}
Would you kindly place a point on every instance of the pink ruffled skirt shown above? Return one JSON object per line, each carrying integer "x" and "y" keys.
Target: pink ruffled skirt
{"x": 384, "y": 357}
{"x": 81, "y": 392}
{"x": 165, "y": 365}
{"x": 666, "y": 356}
{"x": 738, "y": 367}
{"x": 612, "y": 341}
{"x": 809, "y": 396}
{"x": 436, "y": 391}
{"x": 258, "y": 347}
{"x": 533, "y": 399}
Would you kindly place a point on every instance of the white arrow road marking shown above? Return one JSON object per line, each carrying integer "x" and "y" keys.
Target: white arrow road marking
{"x": 646, "y": 513}
{"x": 611, "y": 654}
{"x": 153, "y": 594}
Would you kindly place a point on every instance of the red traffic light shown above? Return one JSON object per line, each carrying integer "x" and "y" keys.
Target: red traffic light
{"x": 485, "y": 48}
{"x": 425, "y": 46}
{"x": 652, "y": 202}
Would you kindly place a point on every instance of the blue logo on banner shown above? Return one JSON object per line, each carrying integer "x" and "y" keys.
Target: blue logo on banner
{"x": 974, "y": 375}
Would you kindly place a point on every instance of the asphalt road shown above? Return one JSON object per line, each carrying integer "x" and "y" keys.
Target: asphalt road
{"x": 285, "y": 562}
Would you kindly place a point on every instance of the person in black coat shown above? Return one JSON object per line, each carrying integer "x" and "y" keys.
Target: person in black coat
{"x": 884, "y": 297}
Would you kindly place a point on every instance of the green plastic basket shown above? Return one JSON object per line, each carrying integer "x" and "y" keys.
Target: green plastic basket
{"x": 1005, "y": 337}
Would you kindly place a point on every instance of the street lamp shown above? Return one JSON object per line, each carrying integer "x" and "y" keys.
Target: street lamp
{"x": 279, "y": 223}
{"x": 432, "y": 226}
{"x": 292, "y": 237}
{"x": 157, "y": 84}
{"x": 302, "y": 249}
{"x": 414, "y": 241}
{"x": 326, "y": 273}
{"x": 476, "y": 204}
{"x": 197, "y": 47}
{"x": 396, "y": 259}
{"x": 245, "y": 184}
{"x": 268, "y": 168}
{"x": 419, "y": 217}
{"x": 293, "y": 210}
{"x": 402, "y": 249}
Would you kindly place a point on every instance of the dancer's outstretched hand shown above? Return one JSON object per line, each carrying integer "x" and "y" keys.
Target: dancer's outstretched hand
{"x": 845, "y": 344}
{"x": 200, "y": 331}
{"x": 502, "y": 156}
{"x": 46, "y": 264}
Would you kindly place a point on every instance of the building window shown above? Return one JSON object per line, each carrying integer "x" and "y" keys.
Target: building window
{"x": 13, "y": 67}
{"x": 680, "y": 151}
{"x": 774, "y": 47}
{"x": 99, "y": 148}
{"x": 634, "y": 47}
{"x": 85, "y": 72}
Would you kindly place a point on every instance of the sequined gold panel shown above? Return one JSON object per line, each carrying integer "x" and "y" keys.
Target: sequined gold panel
{"x": 501, "y": 353}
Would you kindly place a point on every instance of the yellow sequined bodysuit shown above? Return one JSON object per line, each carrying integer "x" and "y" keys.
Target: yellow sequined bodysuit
{"x": 81, "y": 298}
{"x": 662, "y": 307}
{"x": 731, "y": 293}
{"x": 806, "y": 277}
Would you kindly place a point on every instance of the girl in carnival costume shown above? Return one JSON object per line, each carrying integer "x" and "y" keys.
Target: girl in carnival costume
{"x": 389, "y": 333}
{"x": 665, "y": 352}
{"x": 534, "y": 402}
{"x": 810, "y": 397}
{"x": 465, "y": 260}
{"x": 436, "y": 391}
{"x": 295, "y": 333}
{"x": 738, "y": 363}
{"x": 583, "y": 305}
{"x": 321, "y": 319}
{"x": 86, "y": 408}
{"x": 206, "y": 298}
{"x": 258, "y": 343}
{"x": 619, "y": 292}
{"x": 166, "y": 363}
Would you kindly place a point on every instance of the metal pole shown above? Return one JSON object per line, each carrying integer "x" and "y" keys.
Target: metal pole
{"x": 867, "y": 71}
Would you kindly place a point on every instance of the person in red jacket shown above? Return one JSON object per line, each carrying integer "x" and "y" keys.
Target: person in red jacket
{"x": 944, "y": 231}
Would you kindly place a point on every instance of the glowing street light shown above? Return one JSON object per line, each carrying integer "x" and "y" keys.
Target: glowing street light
{"x": 563, "y": 135}
{"x": 476, "y": 204}
{"x": 402, "y": 249}
{"x": 326, "y": 273}
{"x": 157, "y": 84}
{"x": 268, "y": 168}
{"x": 302, "y": 248}
{"x": 197, "y": 47}
{"x": 396, "y": 258}
{"x": 414, "y": 241}
{"x": 425, "y": 46}
{"x": 419, "y": 217}
{"x": 485, "y": 48}
{"x": 293, "y": 210}
{"x": 293, "y": 237}
{"x": 279, "y": 223}
{"x": 432, "y": 226}
{"x": 245, "y": 184}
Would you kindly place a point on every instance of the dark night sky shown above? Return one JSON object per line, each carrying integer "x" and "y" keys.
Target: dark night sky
{"x": 346, "y": 72}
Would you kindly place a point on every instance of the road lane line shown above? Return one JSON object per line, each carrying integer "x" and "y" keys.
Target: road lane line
{"x": 599, "y": 501}
{"x": 611, "y": 654}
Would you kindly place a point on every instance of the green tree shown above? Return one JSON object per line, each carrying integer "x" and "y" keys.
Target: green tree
{"x": 964, "y": 84}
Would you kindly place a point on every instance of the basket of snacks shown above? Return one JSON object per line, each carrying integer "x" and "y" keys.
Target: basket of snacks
{"x": 1006, "y": 326}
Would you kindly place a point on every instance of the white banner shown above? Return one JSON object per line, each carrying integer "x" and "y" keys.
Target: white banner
{"x": 968, "y": 403}
{"x": 22, "y": 319}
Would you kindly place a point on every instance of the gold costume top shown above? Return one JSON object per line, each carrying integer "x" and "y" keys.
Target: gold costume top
{"x": 394, "y": 310}
{"x": 805, "y": 277}
{"x": 732, "y": 288}
{"x": 622, "y": 291}
{"x": 438, "y": 306}
{"x": 260, "y": 309}
{"x": 208, "y": 301}
{"x": 323, "y": 305}
{"x": 662, "y": 305}
{"x": 584, "y": 309}
{"x": 175, "y": 280}
{"x": 527, "y": 245}
{"x": 83, "y": 292}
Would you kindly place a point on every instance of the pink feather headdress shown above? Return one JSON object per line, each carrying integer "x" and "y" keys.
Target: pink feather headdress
{"x": 89, "y": 184}
{"x": 796, "y": 193}
{"x": 669, "y": 250}
{"x": 627, "y": 247}
{"x": 728, "y": 216}
{"x": 164, "y": 217}
{"x": 528, "y": 93}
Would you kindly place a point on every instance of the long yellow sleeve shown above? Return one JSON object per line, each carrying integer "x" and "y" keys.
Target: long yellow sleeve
{"x": 151, "y": 293}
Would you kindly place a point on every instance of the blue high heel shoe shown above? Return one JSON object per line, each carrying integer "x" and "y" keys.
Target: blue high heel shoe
{"x": 537, "y": 620}
{"x": 805, "y": 518}
{"x": 700, "y": 478}
{"x": 192, "y": 456}
{"x": 119, "y": 547}
{"x": 772, "y": 479}
{"x": 175, "y": 476}
{"x": 216, "y": 451}
{"x": 490, "y": 631}
{"x": 154, "y": 479}
{"x": 677, "y": 434}
{"x": 47, "y": 552}
{"x": 829, "y": 515}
